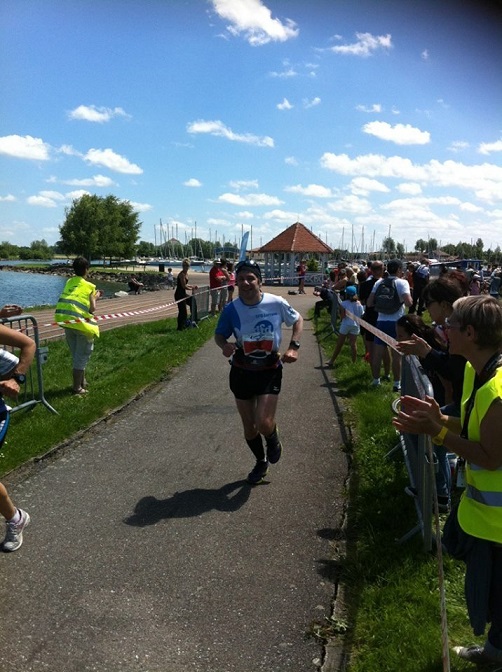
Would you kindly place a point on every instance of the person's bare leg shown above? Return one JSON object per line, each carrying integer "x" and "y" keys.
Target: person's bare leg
{"x": 7, "y": 508}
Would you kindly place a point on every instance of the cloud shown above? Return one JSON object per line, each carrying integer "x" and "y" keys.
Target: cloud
{"x": 54, "y": 195}
{"x": 254, "y": 21}
{"x": 281, "y": 216}
{"x": 78, "y": 193}
{"x": 483, "y": 179}
{"x": 366, "y": 45}
{"x": 352, "y": 204}
{"x": 376, "y": 108}
{"x": 69, "y": 151}
{"x": 410, "y": 188}
{"x": 24, "y": 147}
{"x": 425, "y": 55}
{"x": 96, "y": 181}
{"x": 458, "y": 146}
{"x": 285, "y": 74}
{"x": 52, "y": 199}
{"x": 313, "y": 190}
{"x": 8, "y": 199}
{"x": 42, "y": 201}
{"x": 243, "y": 184}
{"x": 311, "y": 103}
{"x": 140, "y": 207}
{"x": 291, "y": 161}
{"x": 401, "y": 134}
{"x": 244, "y": 214}
{"x": 364, "y": 185}
{"x": 285, "y": 105}
{"x": 109, "y": 159}
{"x": 250, "y": 200}
{"x": 95, "y": 114}
{"x": 470, "y": 207}
{"x": 219, "y": 129}
{"x": 192, "y": 182}
{"x": 488, "y": 147}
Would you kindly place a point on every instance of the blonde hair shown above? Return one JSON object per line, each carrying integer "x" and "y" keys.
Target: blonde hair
{"x": 484, "y": 314}
{"x": 185, "y": 262}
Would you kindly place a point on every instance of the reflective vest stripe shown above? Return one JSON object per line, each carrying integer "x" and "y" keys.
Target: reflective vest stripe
{"x": 77, "y": 316}
{"x": 75, "y": 303}
{"x": 484, "y": 497}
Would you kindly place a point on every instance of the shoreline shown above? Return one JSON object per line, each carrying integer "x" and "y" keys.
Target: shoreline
{"x": 150, "y": 279}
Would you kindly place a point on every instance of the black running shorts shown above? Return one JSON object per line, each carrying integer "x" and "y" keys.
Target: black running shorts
{"x": 247, "y": 384}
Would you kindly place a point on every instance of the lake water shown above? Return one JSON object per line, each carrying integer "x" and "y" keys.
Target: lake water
{"x": 37, "y": 289}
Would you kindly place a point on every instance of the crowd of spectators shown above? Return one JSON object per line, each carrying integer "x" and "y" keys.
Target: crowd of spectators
{"x": 459, "y": 345}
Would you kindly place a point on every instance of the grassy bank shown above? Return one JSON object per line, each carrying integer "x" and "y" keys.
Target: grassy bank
{"x": 393, "y": 622}
{"x": 393, "y": 589}
{"x": 125, "y": 361}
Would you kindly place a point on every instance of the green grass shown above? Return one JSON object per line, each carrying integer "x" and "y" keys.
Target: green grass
{"x": 124, "y": 362}
{"x": 393, "y": 620}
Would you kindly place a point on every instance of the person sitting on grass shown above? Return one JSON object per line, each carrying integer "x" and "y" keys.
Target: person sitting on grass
{"x": 349, "y": 328}
{"x": 135, "y": 286}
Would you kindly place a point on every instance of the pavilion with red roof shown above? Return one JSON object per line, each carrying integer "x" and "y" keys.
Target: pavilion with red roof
{"x": 284, "y": 252}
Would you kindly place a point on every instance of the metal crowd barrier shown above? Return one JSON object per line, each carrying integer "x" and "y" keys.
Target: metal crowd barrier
{"x": 200, "y": 304}
{"x": 418, "y": 454}
{"x": 417, "y": 449}
{"x": 32, "y": 392}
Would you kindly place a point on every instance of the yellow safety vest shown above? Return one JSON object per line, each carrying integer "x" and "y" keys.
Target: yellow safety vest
{"x": 480, "y": 509}
{"x": 74, "y": 303}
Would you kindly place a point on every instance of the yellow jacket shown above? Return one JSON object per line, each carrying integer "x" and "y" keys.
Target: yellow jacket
{"x": 480, "y": 510}
{"x": 74, "y": 304}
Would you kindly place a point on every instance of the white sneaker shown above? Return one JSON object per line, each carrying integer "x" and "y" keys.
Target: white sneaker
{"x": 376, "y": 382}
{"x": 14, "y": 536}
{"x": 397, "y": 386}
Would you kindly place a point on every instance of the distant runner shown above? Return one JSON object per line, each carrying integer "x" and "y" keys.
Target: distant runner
{"x": 255, "y": 319}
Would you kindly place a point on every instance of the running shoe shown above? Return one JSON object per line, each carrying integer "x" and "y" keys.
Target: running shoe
{"x": 14, "y": 537}
{"x": 258, "y": 473}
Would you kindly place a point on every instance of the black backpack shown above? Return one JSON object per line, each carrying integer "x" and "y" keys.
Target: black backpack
{"x": 387, "y": 299}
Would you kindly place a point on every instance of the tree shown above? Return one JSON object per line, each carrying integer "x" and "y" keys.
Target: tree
{"x": 38, "y": 249}
{"x": 479, "y": 249}
{"x": 8, "y": 250}
{"x": 389, "y": 246}
{"x": 100, "y": 227}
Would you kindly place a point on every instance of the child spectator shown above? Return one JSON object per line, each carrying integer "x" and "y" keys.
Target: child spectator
{"x": 348, "y": 326}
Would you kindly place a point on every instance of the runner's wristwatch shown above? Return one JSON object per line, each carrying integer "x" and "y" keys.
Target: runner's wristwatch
{"x": 20, "y": 378}
{"x": 294, "y": 345}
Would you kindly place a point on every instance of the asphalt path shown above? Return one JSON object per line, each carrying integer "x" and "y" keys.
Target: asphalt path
{"x": 148, "y": 551}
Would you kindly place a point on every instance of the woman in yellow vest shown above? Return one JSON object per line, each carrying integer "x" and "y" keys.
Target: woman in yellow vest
{"x": 74, "y": 312}
{"x": 474, "y": 331}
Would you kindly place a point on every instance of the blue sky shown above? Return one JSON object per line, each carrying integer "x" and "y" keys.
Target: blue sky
{"x": 359, "y": 118}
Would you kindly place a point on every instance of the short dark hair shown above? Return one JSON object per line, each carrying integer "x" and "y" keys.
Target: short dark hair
{"x": 248, "y": 265}
{"x": 80, "y": 265}
{"x": 393, "y": 266}
{"x": 447, "y": 288}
